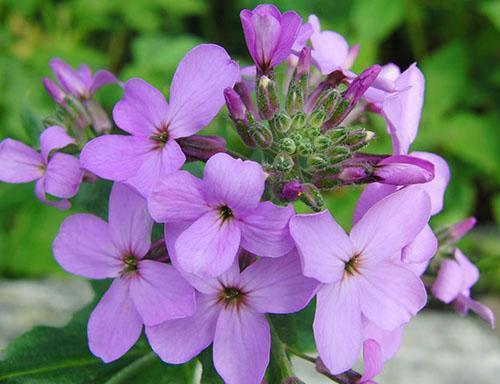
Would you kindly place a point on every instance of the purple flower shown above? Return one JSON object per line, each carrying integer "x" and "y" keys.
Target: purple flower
{"x": 223, "y": 212}
{"x": 453, "y": 284}
{"x": 459, "y": 230}
{"x": 361, "y": 273}
{"x": 231, "y": 315}
{"x": 57, "y": 174}
{"x": 80, "y": 82}
{"x": 152, "y": 152}
{"x": 143, "y": 291}
{"x": 404, "y": 170}
{"x": 269, "y": 34}
{"x": 330, "y": 50}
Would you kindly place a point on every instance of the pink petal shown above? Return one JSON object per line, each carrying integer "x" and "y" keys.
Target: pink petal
{"x": 390, "y": 294}
{"x": 277, "y": 285}
{"x": 449, "y": 281}
{"x": 469, "y": 270}
{"x": 178, "y": 341}
{"x": 208, "y": 247}
{"x": 102, "y": 78}
{"x": 242, "y": 345}
{"x": 337, "y": 325}
{"x": 177, "y": 197}
{"x": 196, "y": 92}
{"x": 372, "y": 360}
{"x": 330, "y": 51}
{"x": 436, "y": 187}
{"x": 290, "y": 24}
{"x": 233, "y": 182}
{"x": 68, "y": 78}
{"x": 114, "y": 325}
{"x": 54, "y": 137}
{"x": 390, "y": 224}
{"x": 404, "y": 170}
{"x": 41, "y": 194}
{"x": 322, "y": 244}
{"x": 63, "y": 175}
{"x": 84, "y": 73}
{"x": 265, "y": 231}
{"x": 388, "y": 341}
{"x": 267, "y": 31}
{"x": 142, "y": 110}
{"x": 130, "y": 225}
{"x": 19, "y": 163}
{"x": 160, "y": 293}
{"x": 464, "y": 303}
{"x": 422, "y": 248}
{"x": 372, "y": 193}
{"x": 83, "y": 247}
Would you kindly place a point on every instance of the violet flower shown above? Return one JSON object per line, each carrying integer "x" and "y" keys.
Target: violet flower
{"x": 143, "y": 291}
{"x": 231, "y": 315}
{"x": 223, "y": 212}
{"x": 361, "y": 273}
{"x": 269, "y": 34}
{"x": 404, "y": 170}
{"x": 151, "y": 151}
{"x": 57, "y": 174}
{"x": 453, "y": 284}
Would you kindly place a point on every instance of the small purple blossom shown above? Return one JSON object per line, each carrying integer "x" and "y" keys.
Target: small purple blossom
{"x": 57, "y": 174}
{"x": 231, "y": 315}
{"x": 269, "y": 34}
{"x": 459, "y": 230}
{"x": 404, "y": 170}
{"x": 361, "y": 273}
{"x": 143, "y": 291}
{"x": 223, "y": 212}
{"x": 151, "y": 151}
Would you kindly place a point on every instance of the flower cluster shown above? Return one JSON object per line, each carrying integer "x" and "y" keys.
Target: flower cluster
{"x": 233, "y": 248}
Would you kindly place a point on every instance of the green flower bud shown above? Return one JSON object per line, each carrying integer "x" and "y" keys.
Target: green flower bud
{"x": 339, "y": 110}
{"x": 295, "y": 97}
{"x": 305, "y": 148}
{"x": 317, "y": 118}
{"x": 312, "y": 132}
{"x": 327, "y": 182}
{"x": 311, "y": 196}
{"x": 288, "y": 145}
{"x": 338, "y": 154}
{"x": 299, "y": 121}
{"x": 331, "y": 99}
{"x": 318, "y": 161}
{"x": 283, "y": 162}
{"x": 359, "y": 138}
{"x": 261, "y": 134}
{"x": 296, "y": 137}
{"x": 267, "y": 97}
{"x": 338, "y": 135}
{"x": 322, "y": 143}
{"x": 282, "y": 122}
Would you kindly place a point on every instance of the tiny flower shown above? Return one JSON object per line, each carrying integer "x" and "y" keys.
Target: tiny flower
{"x": 361, "y": 273}
{"x": 269, "y": 34}
{"x": 80, "y": 82}
{"x": 54, "y": 91}
{"x": 152, "y": 151}
{"x": 231, "y": 315}
{"x": 453, "y": 284}
{"x": 55, "y": 173}
{"x": 459, "y": 230}
{"x": 224, "y": 212}
{"x": 143, "y": 291}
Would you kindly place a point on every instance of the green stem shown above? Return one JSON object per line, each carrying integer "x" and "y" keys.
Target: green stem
{"x": 300, "y": 355}
{"x": 133, "y": 369}
{"x": 278, "y": 351}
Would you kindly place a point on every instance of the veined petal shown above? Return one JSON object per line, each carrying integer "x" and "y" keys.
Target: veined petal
{"x": 196, "y": 92}
{"x": 422, "y": 248}
{"x": 330, "y": 51}
{"x": 209, "y": 246}
{"x": 323, "y": 245}
{"x": 19, "y": 163}
{"x": 390, "y": 294}
{"x": 404, "y": 170}
{"x": 290, "y": 23}
{"x": 54, "y": 137}
{"x": 114, "y": 325}
{"x": 83, "y": 247}
{"x": 372, "y": 360}
{"x": 265, "y": 232}
{"x": 242, "y": 345}
{"x": 160, "y": 293}
{"x": 68, "y": 78}
{"x": 63, "y": 175}
{"x": 337, "y": 325}
{"x": 142, "y": 110}
{"x": 233, "y": 182}
{"x": 372, "y": 193}
{"x": 277, "y": 285}
{"x": 178, "y": 197}
{"x": 178, "y": 341}
{"x": 130, "y": 225}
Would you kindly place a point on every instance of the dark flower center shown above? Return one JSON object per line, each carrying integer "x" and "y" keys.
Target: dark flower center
{"x": 351, "y": 267}
{"x": 225, "y": 213}
{"x": 130, "y": 262}
{"x": 161, "y": 135}
{"x": 232, "y": 296}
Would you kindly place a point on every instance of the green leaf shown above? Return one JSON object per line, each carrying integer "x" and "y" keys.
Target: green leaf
{"x": 375, "y": 20}
{"x": 491, "y": 10}
{"x": 279, "y": 367}
{"x": 31, "y": 123}
{"x": 93, "y": 197}
{"x": 49, "y": 355}
{"x": 208, "y": 374}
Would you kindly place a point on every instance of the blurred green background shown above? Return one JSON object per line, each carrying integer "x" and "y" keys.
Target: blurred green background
{"x": 455, "y": 43}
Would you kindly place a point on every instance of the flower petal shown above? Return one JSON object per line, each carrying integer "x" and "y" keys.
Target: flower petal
{"x": 404, "y": 170}
{"x": 63, "y": 175}
{"x": 277, "y": 285}
{"x": 142, "y": 110}
{"x": 114, "y": 325}
{"x": 372, "y": 193}
{"x": 330, "y": 51}
{"x": 242, "y": 344}
{"x": 233, "y": 182}
{"x": 41, "y": 194}
{"x": 390, "y": 294}
{"x": 463, "y": 304}
{"x": 372, "y": 360}
{"x": 265, "y": 231}
{"x": 422, "y": 248}
{"x": 390, "y": 224}
{"x": 196, "y": 92}
{"x": 290, "y": 24}
{"x": 178, "y": 341}
{"x": 449, "y": 281}
{"x": 337, "y": 325}
{"x": 388, "y": 341}
{"x": 469, "y": 270}
{"x": 177, "y": 197}
{"x": 208, "y": 247}
{"x": 130, "y": 227}
{"x": 19, "y": 163}
{"x": 102, "y": 78}
{"x": 83, "y": 247}
{"x": 54, "y": 137}
{"x": 323, "y": 246}
{"x": 68, "y": 78}
{"x": 160, "y": 293}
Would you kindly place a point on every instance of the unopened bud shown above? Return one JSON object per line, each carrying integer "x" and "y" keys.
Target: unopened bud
{"x": 339, "y": 154}
{"x": 299, "y": 121}
{"x": 296, "y": 137}
{"x": 312, "y": 132}
{"x": 288, "y": 145}
{"x": 318, "y": 161}
{"x": 235, "y": 105}
{"x": 351, "y": 175}
{"x": 459, "y": 230}
{"x": 282, "y": 122}
{"x": 330, "y": 100}
{"x": 312, "y": 197}
{"x": 322, "y": 143}
{"x": 305, "y": 148}
{"x": 338, "y": 112}
{"x": 329, "y": 181}
{"x": 290, "y": 190}
{"x": 261, "y": 134}
{"x": 359, "y": 138}
{"x": 54, "y": 91}
{"x": 283, "y": 162}
{"x": 198, "y": 147}
{"x": 267, "y": 97}
{"x": 317, "y": 118}
{"x": 99, "y": 118}
{"x": 295, "y": 97}
{"x": 304, "y": 62}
